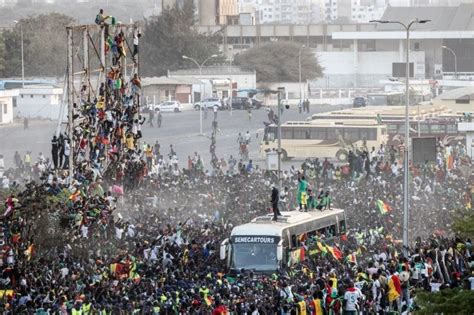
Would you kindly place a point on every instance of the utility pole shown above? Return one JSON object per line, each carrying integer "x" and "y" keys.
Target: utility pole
{"x": 406, "y": 197}
{"x": 281, "y": 90}
{"x": 201, "y": 85}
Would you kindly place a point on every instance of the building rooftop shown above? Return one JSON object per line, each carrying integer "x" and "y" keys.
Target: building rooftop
{"x": 457, "y": 93}
{"x": 460, "y": 18}
{"x": 167, "y": 80}
{"x": 212, "y": 70}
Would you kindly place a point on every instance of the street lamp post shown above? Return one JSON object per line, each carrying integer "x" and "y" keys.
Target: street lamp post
{"x": 22, "y": 55}
{"x": 200, "y": 79}
{"x": 299, "y": 71}
{"x": 407, "y": 28}
{"x": 455, "y": 60}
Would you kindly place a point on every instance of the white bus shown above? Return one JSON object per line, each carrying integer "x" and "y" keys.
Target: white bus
{"x": 263, "y": 245}
{"x": 324, "y": 139}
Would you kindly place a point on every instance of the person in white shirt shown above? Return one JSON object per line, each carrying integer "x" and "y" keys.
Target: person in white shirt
{"x": 395, "y": 169}
{"x": 435, "y": 286}
{"x": 471, "y": 281}
{"x": 351, "y": 300}
{"x": 215, "y": 109}
{"x": 2, "y": 165}
{"x": 247, "y": 137}
{"x": 376, "y": 292}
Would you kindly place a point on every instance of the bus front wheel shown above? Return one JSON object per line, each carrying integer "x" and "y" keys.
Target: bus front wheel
{"x": 284, "y": 155}
{"x": 342, "y": 155}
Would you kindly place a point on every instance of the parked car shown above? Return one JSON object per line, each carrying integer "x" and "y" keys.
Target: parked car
{"x": 209, "y": 103}
{"x": 240, "y": 103}
{"x": 359, "y": 101}
{"x": 170, "y": 106}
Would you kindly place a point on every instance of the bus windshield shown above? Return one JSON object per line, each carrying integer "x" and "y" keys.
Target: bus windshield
{"x": 254, "y": 256}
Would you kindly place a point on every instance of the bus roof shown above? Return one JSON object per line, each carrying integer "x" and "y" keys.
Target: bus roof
{"x": 337, "y": 122}
{"x": 263, "y": 225}
{"x": 385, "y": 112}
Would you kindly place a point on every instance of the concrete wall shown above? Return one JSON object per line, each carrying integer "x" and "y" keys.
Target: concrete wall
{"x": 244, "y": 81}
{"x": 6, "y": 110}
{"x": 344, "y": 69}
{"x": 38, "y": 103}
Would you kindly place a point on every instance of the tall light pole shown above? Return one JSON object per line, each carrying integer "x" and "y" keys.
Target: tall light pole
{"x": 455, "y": 60}
{"x": 299, "y": 71}
{"x": 406, "y": 171}
{"x": 200, "y": 65}
{"x": 280, "y": 91}
{"x": 22, "y": 55}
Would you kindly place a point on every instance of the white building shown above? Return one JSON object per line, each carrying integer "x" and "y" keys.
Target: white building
{"x": 7, "y": 98}
{"x": 365, "y": 10}
{"x": 241, "y": 78}
{"x": 39, "y": 101}
{"x": 282, "y": 11}
{"x": 361, "y": 55}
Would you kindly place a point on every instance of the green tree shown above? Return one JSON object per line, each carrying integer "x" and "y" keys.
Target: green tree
{"x": 45, "y": 46}
{"x": 278, "y": 62}
{"x": 171, "y": 35}
{"x": 448, "y": 301}
{"x": 2, "y": 53}
{"x": 464, "y": 223}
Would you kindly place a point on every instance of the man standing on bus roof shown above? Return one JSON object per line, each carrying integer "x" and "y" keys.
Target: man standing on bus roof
{"x": 274, "y": 200}
{"x": 302, "y": 188}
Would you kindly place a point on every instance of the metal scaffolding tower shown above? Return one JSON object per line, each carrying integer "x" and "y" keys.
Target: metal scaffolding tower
{"x": 98, "y": 56}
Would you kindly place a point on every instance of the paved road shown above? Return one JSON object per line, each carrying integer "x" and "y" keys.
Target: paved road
{"x": 179, "y": 129}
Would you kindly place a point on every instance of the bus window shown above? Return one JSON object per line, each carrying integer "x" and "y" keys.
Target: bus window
{"x": 331, "y": 134}
{"x": 351, "y": 134}
{"x": 271, "y": 134}
{"x": 331, "y": 231}
{"x": 451, "y": 128}
{"x": 301, "y": 133}
{"x": 287, "y": 133}
{"x": 294, "y": 241}
{"x": 424, "y": 129}
{"x": 392, "y": 128}
{"x": 437, "y": 128}
{"x": 372, "y": 134}
{"x": 368, "y": 133}
{"x": 318, "y": 133}
{"x": 342, "y": 226}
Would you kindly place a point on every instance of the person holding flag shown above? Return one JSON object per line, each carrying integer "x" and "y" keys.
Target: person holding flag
{"x": 302, "y": 193}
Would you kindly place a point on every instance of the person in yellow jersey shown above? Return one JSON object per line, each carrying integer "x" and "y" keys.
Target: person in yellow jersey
{"x": 301, "y": 306}
{"x": 130, "y": 142}
{"x": 77, "y": 309}
{"x": 86, "y": 308}
{"x": 318, "y": 303}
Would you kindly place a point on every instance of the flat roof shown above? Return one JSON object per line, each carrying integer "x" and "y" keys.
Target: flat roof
{"x": 211, "y": 70}
{"x": 414, "y": 34}
{"x": 445, "y": 22}
{"x": 442, "y": 18}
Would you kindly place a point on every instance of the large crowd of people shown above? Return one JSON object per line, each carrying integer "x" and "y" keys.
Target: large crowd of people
{"x": 132, "y": 231}
{"x": 148, "y": 243}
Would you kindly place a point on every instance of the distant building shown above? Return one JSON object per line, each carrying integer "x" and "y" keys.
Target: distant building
{"x": 283, "y": 11}
{"x": 7, "y": 99}
{"x": 156, "y": 90}
{"x": 216, "y": 75}
{"x": 39, "y": 101}
{"x": 217, "y": 12}
{"x": 361, "y": 55}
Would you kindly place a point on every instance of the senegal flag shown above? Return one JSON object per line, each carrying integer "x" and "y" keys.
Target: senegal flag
{"x": 335, "y": 252}
{"x": 322, "y": 248}
{"x": 383, "y": 207}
